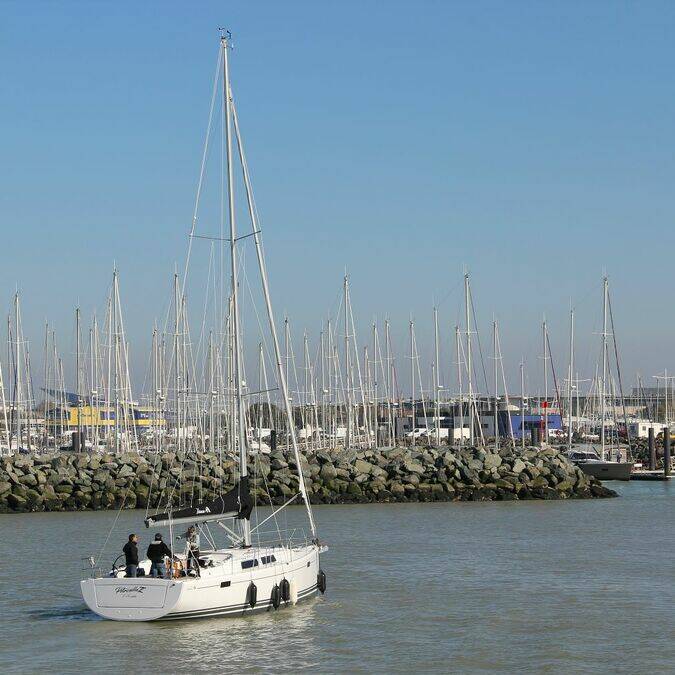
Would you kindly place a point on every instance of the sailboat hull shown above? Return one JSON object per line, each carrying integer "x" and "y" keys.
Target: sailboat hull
{"x": 222, "y": 589}
{"x": 607, "y": 470}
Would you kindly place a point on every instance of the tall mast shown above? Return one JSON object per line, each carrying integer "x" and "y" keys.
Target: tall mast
{"x": 177, "y": 360}
{"x": 348, "y": 367}
{"x": 390, "y": 383}
{"x": 3, "y": 402}
{"x": 376, "y": 424}
{"x": 496, "y": 414}
{"x": 437, "y": 381}
{"x": 322, "y": 357}
{"x": 237, "y": 361}
{"x": 545, "y": 402}
{"x": 412, "y": 378}
{"x": 458, "y": 344}
{"x": 17, "y": 366}
{"x": 569, "y": 385}
{"x": 93, "y": 403}
{"x": 604, "y": 368}
{"x": 78, "y": 392}
{"x": 467, "y": 308}
{"x": 522, "y": 404}
{"x": 116, "y": 355}
{"x": 45, "y": 374}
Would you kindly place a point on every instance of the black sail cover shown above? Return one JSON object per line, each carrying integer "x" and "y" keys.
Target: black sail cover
{"x": 237, "y": 503}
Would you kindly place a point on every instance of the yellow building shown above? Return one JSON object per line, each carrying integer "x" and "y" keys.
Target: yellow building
{"x": 100, "y": 416}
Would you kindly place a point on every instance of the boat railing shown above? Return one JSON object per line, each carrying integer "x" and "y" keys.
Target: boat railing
{"x": 289, "y": 538}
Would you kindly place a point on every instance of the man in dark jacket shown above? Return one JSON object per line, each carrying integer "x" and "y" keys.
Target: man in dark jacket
{"x": 157, "y": 551}
{"x": 131, "y": 555}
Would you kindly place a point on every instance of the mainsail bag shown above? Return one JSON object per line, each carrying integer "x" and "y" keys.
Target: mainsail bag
{"x": 237, "y": 503}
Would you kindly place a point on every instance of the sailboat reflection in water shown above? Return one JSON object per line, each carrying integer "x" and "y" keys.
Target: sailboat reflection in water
{"x": 244, "y": 576}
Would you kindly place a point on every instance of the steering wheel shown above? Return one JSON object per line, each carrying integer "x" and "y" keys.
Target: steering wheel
{"x": 115, "y": 568}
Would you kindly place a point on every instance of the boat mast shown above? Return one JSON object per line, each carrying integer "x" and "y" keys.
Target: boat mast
{"x": 348, "y": 367}
{"x": 545, "y": 402}
{"x": 116, "y": 354}
{"x": 569, "y": 385}
{"x": 17, "y": 369}
{"x": 176, "y": 375}
{"x": 496, "y": 414}
{"x": 437, "y": 380}
{"x": 45, "y": 375}
{"x": 322, "y": 361}
{"x": 412, "y": 379}
{"x": 237, "y": 361}
{"x": 78, "y": 391}
{"x": 376, "y": 425}
{"x": 93, "y": 407}
{"x": 3, "y": 402}
{"x": 458, "y": 343}
{"x": 468, "y": 356}
{"x": 390, "y": 384}
{"x": 604, "y": 368}
{"x": 522, "y": 405}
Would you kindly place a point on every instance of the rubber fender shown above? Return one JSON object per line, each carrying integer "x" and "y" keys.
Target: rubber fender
{"x": 276, "y": 596}
{"x": 321, "y": 581}
{"x": 252, "y": 595}
{"x": 285, "y": 588}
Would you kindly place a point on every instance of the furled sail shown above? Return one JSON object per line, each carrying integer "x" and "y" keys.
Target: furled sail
{"x": 237, "y": 503}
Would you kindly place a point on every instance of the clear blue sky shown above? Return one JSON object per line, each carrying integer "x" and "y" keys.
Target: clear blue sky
{"x": 532, "y": 142}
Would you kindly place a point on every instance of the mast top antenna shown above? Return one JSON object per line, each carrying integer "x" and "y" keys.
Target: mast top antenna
{"x": 225, "y": 35}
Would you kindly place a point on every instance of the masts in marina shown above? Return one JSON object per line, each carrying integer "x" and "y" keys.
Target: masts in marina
{"x": 570, "y": 386}
{"x": 437, "y": 381}
{"x": 460, "y": 390}
{"x": 469, "y": 364}
{"x": 496, "y": 397}
{"x": 544, "y": 403}
{"x": 603, "y": 382}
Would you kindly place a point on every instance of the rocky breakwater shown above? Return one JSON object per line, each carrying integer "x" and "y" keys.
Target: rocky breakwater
{"x": 65, "y": 482}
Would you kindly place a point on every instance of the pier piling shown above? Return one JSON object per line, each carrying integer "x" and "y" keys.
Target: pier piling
{"x": 666, "y": 451}
{"x": 652, "y": 450}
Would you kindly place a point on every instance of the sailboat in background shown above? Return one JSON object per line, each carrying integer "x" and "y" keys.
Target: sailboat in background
{"x": 248, "y": 574}
{"x": 593, "y": 461}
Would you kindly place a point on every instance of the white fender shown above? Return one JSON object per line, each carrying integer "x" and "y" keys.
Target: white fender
{"x": 294, "y": 592}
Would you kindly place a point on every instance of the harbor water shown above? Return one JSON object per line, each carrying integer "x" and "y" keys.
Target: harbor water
{"x": 571, "y": 586}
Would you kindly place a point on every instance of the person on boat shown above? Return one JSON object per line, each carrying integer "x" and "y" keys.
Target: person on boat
{"x": 192, "y": 540}
{"x": 157, "y": 552}
{"x": 130, "y": 550}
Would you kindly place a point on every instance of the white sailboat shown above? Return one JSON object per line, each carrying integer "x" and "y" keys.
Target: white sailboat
{"x": 244, "y": 576}
{"x": 598, "y": 464}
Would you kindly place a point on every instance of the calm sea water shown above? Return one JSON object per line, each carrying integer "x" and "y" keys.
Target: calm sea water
{"x": 584, "y": 586}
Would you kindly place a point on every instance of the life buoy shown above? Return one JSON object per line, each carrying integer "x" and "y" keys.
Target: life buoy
{"x": 285, "y": 588}
{"x": 321, "y": 581}
{"x": 276, "y": 596}
{"x": 252, "y": 595}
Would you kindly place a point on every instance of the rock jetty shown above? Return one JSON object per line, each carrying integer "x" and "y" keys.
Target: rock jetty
{"x": 69, "y": 482}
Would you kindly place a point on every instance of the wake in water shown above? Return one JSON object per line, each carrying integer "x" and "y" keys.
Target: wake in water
{"x": 72, "y": 612}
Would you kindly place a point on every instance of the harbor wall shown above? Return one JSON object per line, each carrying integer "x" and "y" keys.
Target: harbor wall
{"x": 69, "y": 482}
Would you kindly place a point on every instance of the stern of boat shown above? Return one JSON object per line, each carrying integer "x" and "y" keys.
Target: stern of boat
{"x": 131, "y": 599}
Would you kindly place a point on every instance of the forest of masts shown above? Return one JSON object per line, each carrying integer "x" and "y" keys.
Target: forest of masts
{"x": 346, "y": 388}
